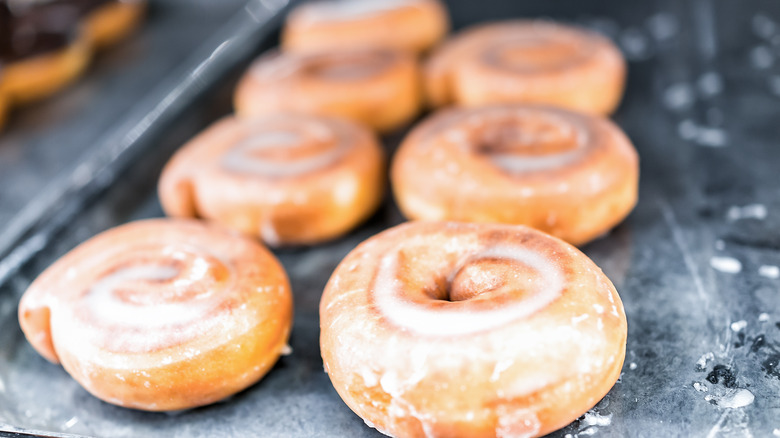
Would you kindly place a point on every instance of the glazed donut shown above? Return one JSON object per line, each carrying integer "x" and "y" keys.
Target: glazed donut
{"x": 291, "y": 179}
{"x": 470, "y": 330}
{"x": 42, "y": 51}
{"x": 107, "y": 22}
{"x": 161, "y": 314}
{"x": 375, "y": 87}
{"x": 571, "y": 175}
{"x": 410, "y": 25}
{"x": 527, "y": 62}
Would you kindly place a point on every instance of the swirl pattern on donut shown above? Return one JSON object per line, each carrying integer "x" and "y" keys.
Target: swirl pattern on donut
{"x": 468, "y": 316}
{"x": 480, "y": 330}
{"x": 378, "y": 88}
{"x": 287, "y": 151}
{"x": 411, "y": 25}
{"x": 572, "y": 175}
{"x": 527, "y": 62}
{"x": 177, "y": 298}
{"x": 161, "y": 314}
{"x": 290, "y": 179}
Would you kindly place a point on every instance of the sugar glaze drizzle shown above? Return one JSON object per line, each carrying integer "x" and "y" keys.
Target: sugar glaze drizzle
{"x": 242, "y": 158}
{"x": 456, "y": 321}
{"x": 515, "y": 161}
{"x": 182, "y": 304}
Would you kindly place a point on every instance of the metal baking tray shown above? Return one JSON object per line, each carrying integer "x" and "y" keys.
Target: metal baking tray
{"x": 694, "y": 263}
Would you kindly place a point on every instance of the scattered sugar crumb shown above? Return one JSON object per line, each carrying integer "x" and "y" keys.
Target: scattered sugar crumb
{"x": 70, "y": 423}
{"x": 632, "y": 366}
{"x": 764, "y": 317}
{"x": 738, "y": 399}
{"x": 761, "y": 57}
{"x": 701, "y": 364}
{"x": 701, "y": 134}
{"x": 712, "y": 137}
{"x": 776, "y": 432}
{"x": 678, "y": 96}
{"x": 286, "y": 350}
{"x": 663, "y": 26}
{"x": 763, "y": 26}
{"x": 750, "y": 211}
{"x": 738, "y": 326}
{"x": 729, "y": 265}
{"x": 769, "y": 271}
{"x": 700, "y": 387}
{"x": 595, "y": 419}
{"x": 710, "y": 83}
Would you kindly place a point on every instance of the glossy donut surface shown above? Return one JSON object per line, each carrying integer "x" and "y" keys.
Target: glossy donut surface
{"x": 571, "y": 175}
{"x": 289, "y": 179}
{"x": 161, "y": 314}
{"x": 436, "y": 329}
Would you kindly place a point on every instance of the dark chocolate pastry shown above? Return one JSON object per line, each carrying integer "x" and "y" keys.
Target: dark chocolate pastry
{"x": 36, "y": 28}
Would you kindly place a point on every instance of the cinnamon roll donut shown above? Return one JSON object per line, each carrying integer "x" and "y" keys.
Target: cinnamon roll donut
{"x": 410, "y": 25}
{"x": 42, "y": 50}
{"x": 378, "y": 88}
{"x": 161, "y": 314}
{"x": 527, "y": 62}
{"x": 290, "y": 179}
{"x": 571, "y": 175}
{"x": 470, "y": 330}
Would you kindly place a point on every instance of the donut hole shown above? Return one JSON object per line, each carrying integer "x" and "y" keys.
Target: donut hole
{"x": 527, "y": 134}
{"x": 490, "y": 278}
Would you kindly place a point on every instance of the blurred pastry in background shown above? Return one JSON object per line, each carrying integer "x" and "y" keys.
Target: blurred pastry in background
{"x": 571, "y": 175}
{"x": 289, "y": 179}
{"x": 47, "y": 44}
{"x": 108, "y": 21}
{"x": 378, "y": 88}
{"x": 161, "y": 314}
{"x": 527, "y": 62}
{"x": 411, "y": 25}
{"x": 3, "y": 103}
{"x": 42, "y": 49}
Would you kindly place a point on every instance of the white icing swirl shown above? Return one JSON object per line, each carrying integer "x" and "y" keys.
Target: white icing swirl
{"x": 104, "y": 304}
{"x": 454, "y": 320}
{"x": 515, "y": 161}
{"x": 146, "y": 306}
{"x": 243, "y": 157}
{"x": 506, "y": 51}
{"x": 341, "y": 67}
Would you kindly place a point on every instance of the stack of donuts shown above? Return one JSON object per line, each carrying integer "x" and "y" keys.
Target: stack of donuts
{"x": 479, "y": 318}
{"x": 47, "y": 44}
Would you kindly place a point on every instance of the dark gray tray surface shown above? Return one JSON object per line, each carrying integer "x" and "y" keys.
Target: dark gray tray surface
{"x": 692, "y": 264}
